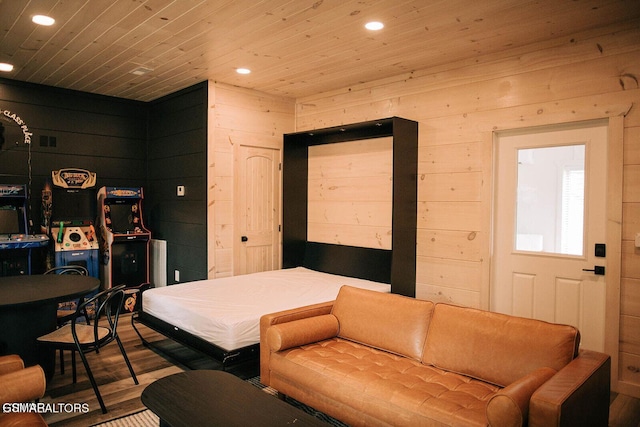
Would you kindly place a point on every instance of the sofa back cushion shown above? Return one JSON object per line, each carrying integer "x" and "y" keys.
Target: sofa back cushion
{"x": 494, "y": 347}
{"x": 389, "y": 322}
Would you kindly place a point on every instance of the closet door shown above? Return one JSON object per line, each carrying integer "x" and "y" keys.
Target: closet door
{"x": 257, "y": 210}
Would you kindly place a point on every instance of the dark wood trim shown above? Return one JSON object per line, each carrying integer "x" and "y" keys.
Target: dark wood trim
{"x": 405, "y": 192}
{"x": 294, "y": 202}
{"x": 363, "y": 263}
{"x": 405, "y": 206}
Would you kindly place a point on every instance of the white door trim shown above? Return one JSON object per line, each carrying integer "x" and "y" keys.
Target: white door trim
{"x": 614, "y": 243}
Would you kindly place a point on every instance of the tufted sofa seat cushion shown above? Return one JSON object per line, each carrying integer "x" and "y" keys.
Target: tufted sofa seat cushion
{"x": 382, "y": 385}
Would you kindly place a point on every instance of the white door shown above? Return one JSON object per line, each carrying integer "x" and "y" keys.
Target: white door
{"x": 549, "y": 214}
{"x": 258, "y": 210}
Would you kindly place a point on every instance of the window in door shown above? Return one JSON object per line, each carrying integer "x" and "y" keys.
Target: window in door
{"x": 550, "y": 200}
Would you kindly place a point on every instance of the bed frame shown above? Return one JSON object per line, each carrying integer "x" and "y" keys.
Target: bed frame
{"x": 225, "y": 357}
{"x": 363, "y": 263}
{"x": 396, "y": 266}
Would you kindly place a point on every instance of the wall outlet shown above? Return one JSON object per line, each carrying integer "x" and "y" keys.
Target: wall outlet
{"x": 176, "y": 275}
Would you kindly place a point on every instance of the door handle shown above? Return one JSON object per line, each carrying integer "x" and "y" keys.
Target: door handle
{"x": 244, "y": 238}
{"x": 597, "y": 270}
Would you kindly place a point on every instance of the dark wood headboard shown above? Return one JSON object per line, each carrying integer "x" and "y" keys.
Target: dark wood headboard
{"x": 296, "y": 251}
{"x": 352, "y": 261}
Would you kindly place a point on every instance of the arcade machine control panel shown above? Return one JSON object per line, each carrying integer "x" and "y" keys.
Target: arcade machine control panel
{"x": 8, "y": 241}
{"x": 76, "y": 238}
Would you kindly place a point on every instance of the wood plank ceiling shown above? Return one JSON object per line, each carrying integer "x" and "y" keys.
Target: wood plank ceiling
{"x": 294, "y": 48}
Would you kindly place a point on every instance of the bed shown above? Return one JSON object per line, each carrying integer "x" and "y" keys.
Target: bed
{"x": 221, "y": 317}
{"x": 313, "y": 271}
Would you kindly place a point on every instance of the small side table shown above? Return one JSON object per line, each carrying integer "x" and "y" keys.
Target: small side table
{"x": 205, "y": 398}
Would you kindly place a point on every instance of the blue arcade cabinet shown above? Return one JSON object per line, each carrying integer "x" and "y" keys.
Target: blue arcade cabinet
{"x": 73, "y": 211}
{"x": 20, "y": 251}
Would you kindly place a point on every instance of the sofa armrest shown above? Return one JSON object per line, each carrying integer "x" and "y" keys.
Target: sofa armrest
{"x": 561, "y": 400}
{"x": 510, "y": 406}
{"x": 10, "y": 363}
{"x": 24, "y": 385}
{"x": 280, "y": 317}
{"x": 302, "y": 331}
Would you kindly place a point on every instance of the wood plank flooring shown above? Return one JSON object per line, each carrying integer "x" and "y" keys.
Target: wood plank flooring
{"x": 120, "y": 394}
{"x": 164, "y": 358}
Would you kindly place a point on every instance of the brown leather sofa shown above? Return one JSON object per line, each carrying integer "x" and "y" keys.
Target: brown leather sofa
{"x": 372, "y": 358}
{"x": 19, "y": 385}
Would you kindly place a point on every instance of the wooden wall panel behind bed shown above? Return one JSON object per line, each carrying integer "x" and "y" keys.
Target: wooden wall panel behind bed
{"x": 399, "y": 263}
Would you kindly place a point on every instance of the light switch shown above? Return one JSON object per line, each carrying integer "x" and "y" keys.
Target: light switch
{"x": 180, "y": 190}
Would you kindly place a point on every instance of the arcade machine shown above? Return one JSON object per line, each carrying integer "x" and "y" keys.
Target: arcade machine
{"x": 124, "y": 241}
{"x": 18, "y": 248}
{"x": 73, "y": 209}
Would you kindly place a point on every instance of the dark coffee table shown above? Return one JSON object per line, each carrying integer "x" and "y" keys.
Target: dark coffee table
{"x": 216, "y": 398}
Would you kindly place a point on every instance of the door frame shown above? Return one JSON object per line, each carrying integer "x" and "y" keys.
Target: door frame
{"x": 613, "y": 231}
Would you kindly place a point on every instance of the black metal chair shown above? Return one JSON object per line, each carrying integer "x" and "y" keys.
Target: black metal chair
{"x": 65, "y": 315}
{"x": 87, "y": 338}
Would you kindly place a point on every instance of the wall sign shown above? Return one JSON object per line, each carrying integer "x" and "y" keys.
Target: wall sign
{"x": 18, "y": 120}
{"x": 73, "y": 178}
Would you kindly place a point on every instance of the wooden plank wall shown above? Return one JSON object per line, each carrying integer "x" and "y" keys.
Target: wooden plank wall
{"x": 350, "y": 193}
{"x": 236, "y": 117}
{"x": 576, "y": 77}
{"x": 101, "y": 134}
{"x": 177, "y": 156}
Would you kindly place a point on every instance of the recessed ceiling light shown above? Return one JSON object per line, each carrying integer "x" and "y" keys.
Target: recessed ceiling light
{"x": 6, "y": 67}
{"x": 243, "y": 71}
{"x": 374, "y": 25}
{"x": 141, "y": 71}
{"x": 43, "y": 20}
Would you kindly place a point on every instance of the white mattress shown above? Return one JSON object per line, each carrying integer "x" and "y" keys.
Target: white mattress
{"x": 227, "y": 311}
